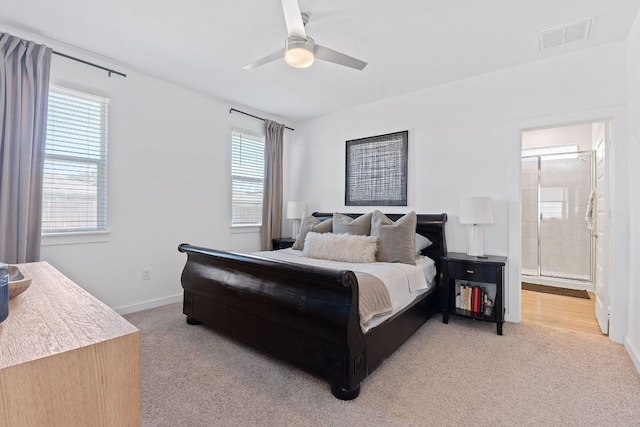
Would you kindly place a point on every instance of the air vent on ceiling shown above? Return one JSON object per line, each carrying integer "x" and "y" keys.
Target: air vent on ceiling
{"x": 558, "y": 36}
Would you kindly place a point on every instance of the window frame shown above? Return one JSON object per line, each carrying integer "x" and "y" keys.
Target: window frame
{"x": 252, "y": 136}
{"x": 100, "y": 232}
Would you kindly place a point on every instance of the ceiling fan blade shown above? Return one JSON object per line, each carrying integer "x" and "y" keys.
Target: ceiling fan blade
{"x": 269, "y": 58}
{"x": 293, "y": 18}
{"x": 336, "y": 57}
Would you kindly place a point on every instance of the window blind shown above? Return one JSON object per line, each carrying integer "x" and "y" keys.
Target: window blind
{"x": 75, "y": 179}
{"x": 247, "y": 170}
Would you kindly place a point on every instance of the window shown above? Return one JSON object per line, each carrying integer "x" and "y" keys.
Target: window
{"x": 247, "y": 176}
{"x": 553, "y": 203}
{"x": 75, "y": 176}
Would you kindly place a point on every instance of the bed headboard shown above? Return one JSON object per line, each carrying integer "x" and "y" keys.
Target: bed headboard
{"x": 429, "y": 225}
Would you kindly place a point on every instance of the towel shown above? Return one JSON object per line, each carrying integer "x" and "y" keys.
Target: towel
{"x": 590, "y": 215}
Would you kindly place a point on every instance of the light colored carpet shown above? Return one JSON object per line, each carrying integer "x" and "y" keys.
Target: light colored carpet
{"x": 445, "y": 375}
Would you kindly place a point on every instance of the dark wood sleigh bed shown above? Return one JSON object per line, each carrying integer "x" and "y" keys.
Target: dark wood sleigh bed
{"x": 303, "y": 315}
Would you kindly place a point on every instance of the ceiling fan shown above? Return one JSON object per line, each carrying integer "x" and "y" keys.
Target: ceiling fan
{"x": 301, "y": 50}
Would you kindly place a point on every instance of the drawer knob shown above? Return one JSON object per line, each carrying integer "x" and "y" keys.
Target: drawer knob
{"x": 470, "y": 271}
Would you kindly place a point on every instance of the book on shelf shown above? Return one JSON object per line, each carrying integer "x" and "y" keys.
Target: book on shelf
{"x": 473, "y": 298}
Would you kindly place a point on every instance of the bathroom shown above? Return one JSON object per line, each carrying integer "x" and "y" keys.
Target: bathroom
{"x": 564, "y": 194}
{"x": 564, "y": 198}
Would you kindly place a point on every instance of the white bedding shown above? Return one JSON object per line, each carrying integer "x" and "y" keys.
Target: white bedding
{"x": 403, "y": 281}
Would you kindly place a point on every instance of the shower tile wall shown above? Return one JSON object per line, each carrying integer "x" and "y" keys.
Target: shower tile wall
{"x": 565, "y": 242}
{"x": 529, "y": 191}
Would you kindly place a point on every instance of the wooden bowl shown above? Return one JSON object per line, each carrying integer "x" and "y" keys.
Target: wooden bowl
{"x": 17, "y": 282}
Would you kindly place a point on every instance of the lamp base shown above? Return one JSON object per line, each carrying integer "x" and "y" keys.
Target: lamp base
{"x": 295, "y": 229}
{"x": 476, "y": 242}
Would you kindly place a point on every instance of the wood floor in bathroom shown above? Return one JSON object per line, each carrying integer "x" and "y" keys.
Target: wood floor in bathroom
{"x": 558, "y": 311}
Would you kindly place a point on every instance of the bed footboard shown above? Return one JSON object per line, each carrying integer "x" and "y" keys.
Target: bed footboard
{"x": 303, "y": 315}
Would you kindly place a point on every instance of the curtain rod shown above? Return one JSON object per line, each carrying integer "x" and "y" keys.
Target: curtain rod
{"x": 109, "y": 70}
{"x": 255, "y": 117}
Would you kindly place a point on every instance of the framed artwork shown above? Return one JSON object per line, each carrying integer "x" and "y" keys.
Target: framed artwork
{"x": 376, "y": 170}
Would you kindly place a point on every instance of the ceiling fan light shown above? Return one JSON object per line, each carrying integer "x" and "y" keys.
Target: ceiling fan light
{"x": 299, "y": 58}
{"x": 299, "y": 52}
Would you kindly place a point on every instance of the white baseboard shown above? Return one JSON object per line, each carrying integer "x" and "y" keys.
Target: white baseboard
{"x": 148, "y": 304}
{"x": 633, "y": 353}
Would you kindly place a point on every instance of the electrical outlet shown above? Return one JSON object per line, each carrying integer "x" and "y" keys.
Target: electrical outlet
{"x": 146, "y": 274}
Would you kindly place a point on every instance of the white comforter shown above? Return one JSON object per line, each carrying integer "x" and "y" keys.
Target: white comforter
{"x": 403, "y": 281}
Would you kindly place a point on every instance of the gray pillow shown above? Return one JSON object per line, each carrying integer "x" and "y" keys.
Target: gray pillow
{"x": 396, "y": 240}
{"x": 422, "y": 243}
{"x": 345, "y": 224}
{"x": 311, "y": 223}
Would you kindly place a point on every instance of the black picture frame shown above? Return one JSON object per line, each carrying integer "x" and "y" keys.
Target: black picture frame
{"x": 376, "y": 170}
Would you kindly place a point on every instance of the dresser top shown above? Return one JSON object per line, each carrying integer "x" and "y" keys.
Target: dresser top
{"x": 54, "y": 315}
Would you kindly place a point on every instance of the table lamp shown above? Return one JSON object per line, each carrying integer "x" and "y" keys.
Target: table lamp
{"x": 295, "y": 211}
{"x": 476, "y": 211}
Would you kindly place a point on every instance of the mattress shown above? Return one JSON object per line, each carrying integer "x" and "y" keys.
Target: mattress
{"x": 404, "y": 282}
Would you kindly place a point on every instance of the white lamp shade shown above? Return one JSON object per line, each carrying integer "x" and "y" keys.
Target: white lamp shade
{"x": 476, "y": 210}
{"x": 295, "y": 210}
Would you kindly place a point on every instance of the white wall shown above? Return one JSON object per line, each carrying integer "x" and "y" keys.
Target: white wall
{"x": 464, "y": 140}
{"x": 632, "y": 340}
{"x": 169, "y": 181}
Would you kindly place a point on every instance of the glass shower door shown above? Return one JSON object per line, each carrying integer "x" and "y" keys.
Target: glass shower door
{"x": 565, "y": 239}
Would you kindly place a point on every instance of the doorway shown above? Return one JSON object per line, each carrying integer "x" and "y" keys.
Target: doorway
{"x": 559, "y": 197}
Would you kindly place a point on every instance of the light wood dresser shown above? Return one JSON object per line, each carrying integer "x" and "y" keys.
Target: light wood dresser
{"x": 66, "y": 359}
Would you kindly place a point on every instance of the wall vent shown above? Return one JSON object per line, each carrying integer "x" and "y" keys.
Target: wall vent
{"x": 568, "y": 33}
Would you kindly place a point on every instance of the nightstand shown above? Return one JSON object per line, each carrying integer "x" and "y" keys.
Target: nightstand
{"x": 468, "y": 283}
{"x": 282, "y": 242}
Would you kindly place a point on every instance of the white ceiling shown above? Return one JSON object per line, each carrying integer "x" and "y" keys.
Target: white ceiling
{"x": 409, "y": 45}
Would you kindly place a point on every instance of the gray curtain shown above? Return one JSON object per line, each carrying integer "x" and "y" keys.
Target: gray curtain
{"x": 24, "y": 91}
{"x": 272, "y": 195}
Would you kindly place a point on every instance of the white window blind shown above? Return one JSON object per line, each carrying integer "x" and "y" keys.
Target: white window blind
{"x": 247, "y": 170}
{"x": 75, "y": 175}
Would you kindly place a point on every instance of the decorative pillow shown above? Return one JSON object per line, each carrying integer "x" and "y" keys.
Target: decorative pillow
{"x": 396, "y": 240}
{"x": 422, "y": 243}
{"x": 340, "y": 247}
{"x": 311, "y": 223}
{"x": 345, "y": 224}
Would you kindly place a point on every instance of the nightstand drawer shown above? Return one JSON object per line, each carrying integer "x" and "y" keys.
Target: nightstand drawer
{"x": 474, "y": 273}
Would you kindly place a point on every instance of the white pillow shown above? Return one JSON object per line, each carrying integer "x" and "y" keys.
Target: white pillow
{"x": 340, "y": 247}
{"x": 422, "y": 243}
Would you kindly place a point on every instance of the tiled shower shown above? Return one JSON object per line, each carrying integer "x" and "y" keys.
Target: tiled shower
{"x": 556, "y": 238}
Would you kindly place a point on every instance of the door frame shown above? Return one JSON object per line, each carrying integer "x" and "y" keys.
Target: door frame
{"x": 619, "y": 239}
